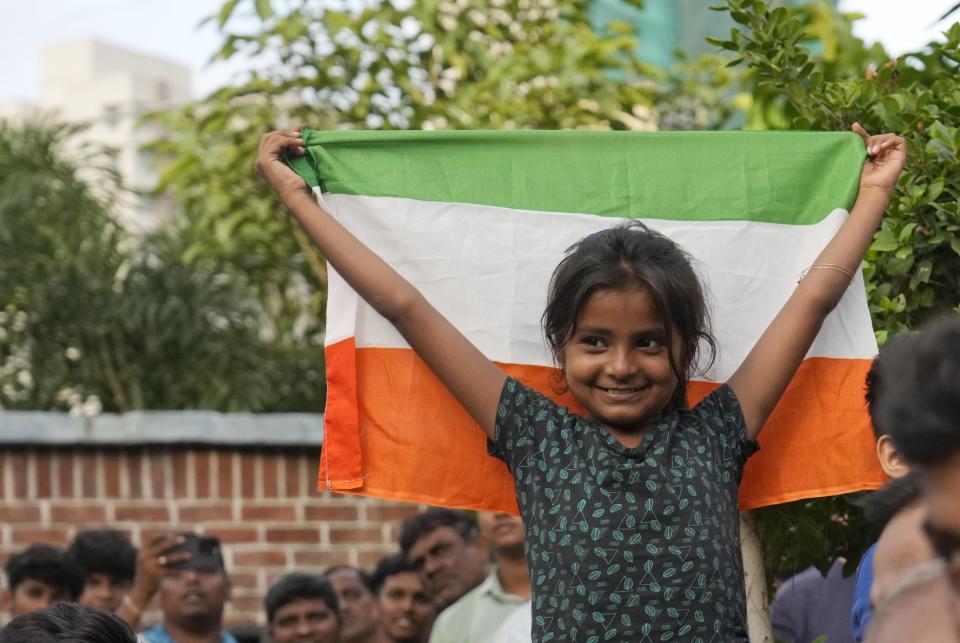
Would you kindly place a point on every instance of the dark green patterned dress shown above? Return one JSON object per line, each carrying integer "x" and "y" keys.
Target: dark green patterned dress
{"x": 623, "y": 544}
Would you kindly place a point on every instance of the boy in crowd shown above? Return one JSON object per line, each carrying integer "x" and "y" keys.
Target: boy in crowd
{"x": 449, "y": 551}
{"x": 108, "y": 563}
{"x": 472, "y": 618}
{"x": 406, "y": 610}
{"x": 37, "y": 578}
{"x": 302, "y": 608}
{"x": 894, "y": 466}
{"x": 922, "y": 413}
{"x": 358, "y": 606}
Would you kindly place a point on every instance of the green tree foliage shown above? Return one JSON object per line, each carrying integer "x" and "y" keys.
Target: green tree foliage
{"x": 93, "y": 321}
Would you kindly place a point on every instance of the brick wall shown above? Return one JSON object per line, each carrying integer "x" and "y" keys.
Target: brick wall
{"x": 262, "y": 504}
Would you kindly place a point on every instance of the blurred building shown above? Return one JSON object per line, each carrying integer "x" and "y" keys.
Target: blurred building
{"x": 111, "y": 88}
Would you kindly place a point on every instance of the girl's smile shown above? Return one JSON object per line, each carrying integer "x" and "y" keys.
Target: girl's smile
{"x": 617, "y": 364}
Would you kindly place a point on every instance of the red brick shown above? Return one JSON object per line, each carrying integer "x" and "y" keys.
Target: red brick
{"x": 201, "y": 472}
{"x": 326, "y": 512}
{"x": 259, "y": 558}
{"x": 25, "y": 513}
{"x": 193, "y": 514}
{"x": 272, "y": 463}
{"x": 224, "y": 470}
{"x": 20, "y": 477}
{"x": 64, "y": 474}
{"x": 293, "y": 535}
{"x": 369, "y": 559}
{"x": 158, "y": 473}
{"x": 292, "y": 477}
{"x": 228, "y": 535}
{"x": 180, "y": 472}
{"x": 88, "y": 473}
{"x": 314, "y": 558}
{"x": 269, "y": 512}
{"x": 143, "y": 513}
{"x": 248, "y": 479}
{"x": 135, "y": 473}
{"x": 391, "y": 512}
{"x": 28, "y": 536}
{"x": 350, "y": 535}
{"x": 111, "y": 474}
{"x": 44, "y": 475}
{"x": 243, "y": 581}
{"x": 78, "y": 513}
{"x": 249, "y": 603}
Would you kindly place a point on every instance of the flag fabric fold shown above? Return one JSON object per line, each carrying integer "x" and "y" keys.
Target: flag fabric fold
{"x": 477, "y": 221}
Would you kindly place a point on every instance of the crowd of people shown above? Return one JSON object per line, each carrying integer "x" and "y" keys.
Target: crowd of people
{"x": 455, "y": 577}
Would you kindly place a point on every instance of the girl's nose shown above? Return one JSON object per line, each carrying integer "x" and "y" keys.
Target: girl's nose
{"x": 620, "y": 364}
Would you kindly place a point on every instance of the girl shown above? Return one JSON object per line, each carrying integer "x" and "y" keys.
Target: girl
{"x": 632, "y": 528}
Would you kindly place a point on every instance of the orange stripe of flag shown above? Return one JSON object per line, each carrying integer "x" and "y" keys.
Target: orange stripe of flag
{"x": 817, "y": 442}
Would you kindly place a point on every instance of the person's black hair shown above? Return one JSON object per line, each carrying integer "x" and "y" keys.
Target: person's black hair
{"x": 361, "y": 574}
{"x": 104, "y": 551}
{"x": 67, "y": 623}
{"x": 48, "y": 565}
{"x": 892, "y": 498}
{"x": 621, "y": 257}
{"x": 298, "y": 586}
{"x": 432, "y": 519}
{"x": 391, "y": 566}
{"x": 922, "y": 410}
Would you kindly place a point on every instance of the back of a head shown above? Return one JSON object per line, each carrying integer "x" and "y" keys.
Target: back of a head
{"x": 67, "y": 623}
{"x": 299, "y": 586}
{"x": 922, "y": 412}
{"x": 48, "y": 565}
{"x": 104, "y": 551}
{"x": 621, "y": 257}
{"x": 895, "y": 496}
{"x": 390, "y": 566}
{"x": 424, "y": 523}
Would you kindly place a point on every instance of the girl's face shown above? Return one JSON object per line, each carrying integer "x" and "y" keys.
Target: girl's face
{"x": 617, "y": 364}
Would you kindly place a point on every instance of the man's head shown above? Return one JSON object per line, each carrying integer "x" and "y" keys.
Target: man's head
{"x": 67, "y": 623}
{"x": 302, "y": 608}
{"x": 922, "y": 413}
{"x": 193, "y": 593}
{"x": 503, "y": 533}
{"x": 406, "y": 611}
{"x": 891, "y": 461}
{"x": 447, "y": 547}
{"x": 358, "y": 606}
{"x": 108, "y": 562}
{"x": 37, "y": 578}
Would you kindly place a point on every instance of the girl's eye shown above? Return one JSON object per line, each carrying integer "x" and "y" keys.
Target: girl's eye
{"x": 649, "y": 342}
{"x": 593, "y": 341}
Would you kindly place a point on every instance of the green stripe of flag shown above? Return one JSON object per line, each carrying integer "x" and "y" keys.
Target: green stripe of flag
{"x": 780, "y": 177}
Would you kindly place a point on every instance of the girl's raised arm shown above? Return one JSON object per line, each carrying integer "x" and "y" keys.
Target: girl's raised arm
{"x": 472, "y": 378}
{"x": 765, "y": 373}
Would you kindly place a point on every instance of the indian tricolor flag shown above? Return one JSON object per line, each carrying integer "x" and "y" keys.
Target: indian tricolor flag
{"x": 478, "y": 220}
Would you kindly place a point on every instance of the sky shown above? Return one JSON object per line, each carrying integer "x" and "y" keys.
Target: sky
{"x": 168, "y": 28}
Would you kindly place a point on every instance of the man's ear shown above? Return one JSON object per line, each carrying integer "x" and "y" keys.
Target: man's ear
{"x": 6, "y": 600}
{"x": 891, "y": 461}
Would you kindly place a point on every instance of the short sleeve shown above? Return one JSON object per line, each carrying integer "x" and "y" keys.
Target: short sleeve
{"x": 721, "y": 418}
{"x": 524, "y": 420}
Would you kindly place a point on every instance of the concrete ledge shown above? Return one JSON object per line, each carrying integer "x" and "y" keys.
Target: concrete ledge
{"x": 161, "y": 427}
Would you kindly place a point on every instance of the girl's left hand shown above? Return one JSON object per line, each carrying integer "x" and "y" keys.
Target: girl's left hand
{"x": 886, "y": 156}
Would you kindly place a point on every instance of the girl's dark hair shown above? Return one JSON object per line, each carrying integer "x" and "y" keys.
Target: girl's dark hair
{"x": 631, "y": 254}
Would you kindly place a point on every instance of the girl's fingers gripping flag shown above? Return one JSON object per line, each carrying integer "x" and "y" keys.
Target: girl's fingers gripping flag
{"x": 478, "y": 220}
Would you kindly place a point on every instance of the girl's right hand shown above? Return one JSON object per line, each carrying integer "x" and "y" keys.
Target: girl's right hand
{"x": 271, "y": 166}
